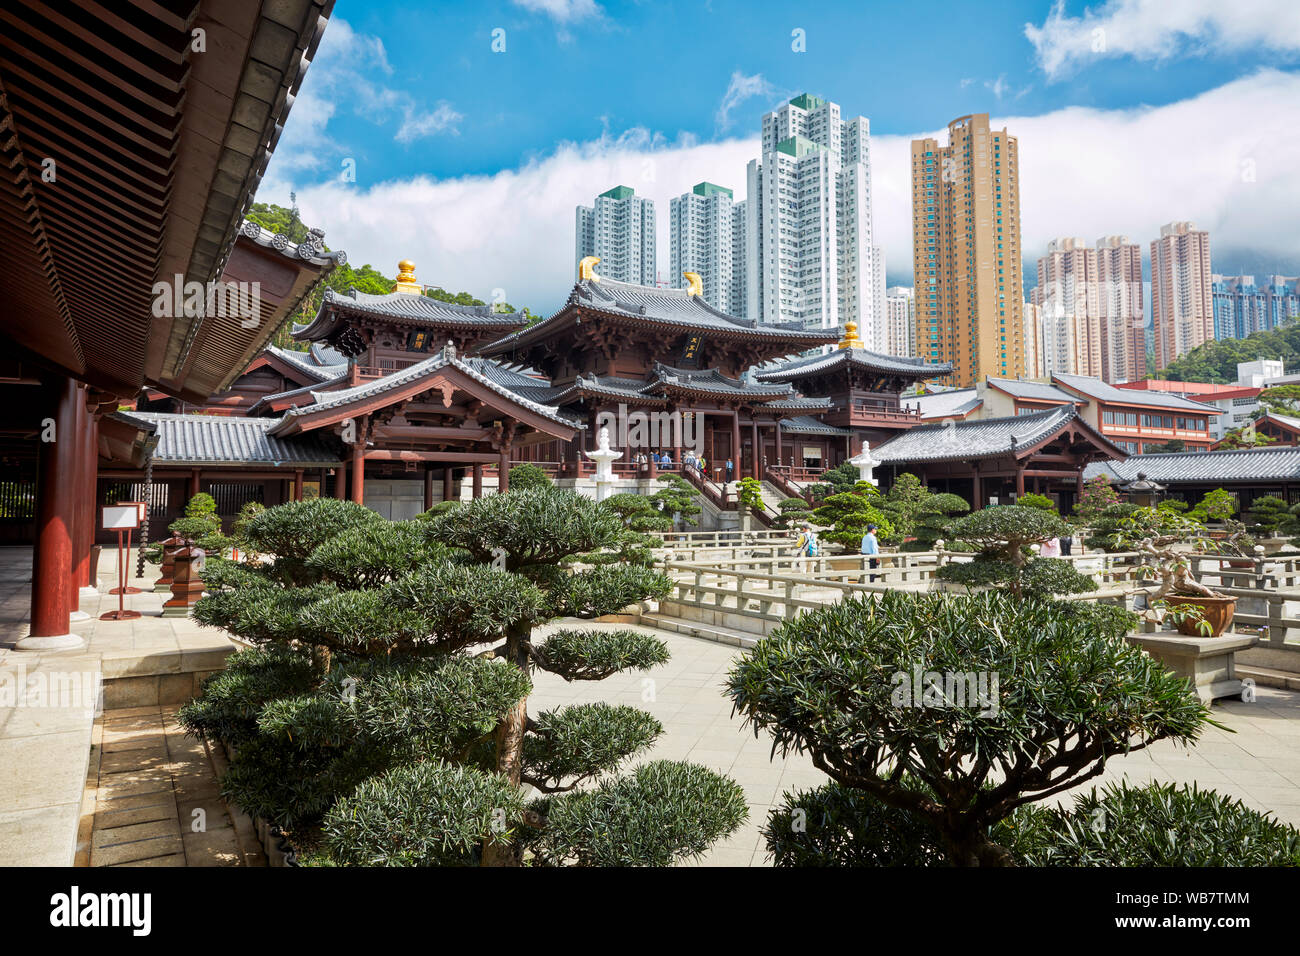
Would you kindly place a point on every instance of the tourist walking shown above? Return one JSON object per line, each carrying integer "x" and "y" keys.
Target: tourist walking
{"x": 871, "y": 546}
{"x": 730, "y": 470}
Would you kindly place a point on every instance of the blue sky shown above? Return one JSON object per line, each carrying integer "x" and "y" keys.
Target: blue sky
{"x": 443, "y": 131}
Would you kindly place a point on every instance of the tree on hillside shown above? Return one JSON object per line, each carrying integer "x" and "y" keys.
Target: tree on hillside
{"x": 1216, "y": 360}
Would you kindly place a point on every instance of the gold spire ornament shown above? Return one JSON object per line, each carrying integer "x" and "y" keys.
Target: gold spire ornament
{"x": 587, "y": 268}
{"x": 694, "y": 284}
{"x": 406, "y": 278}
{"x": 850, "y": 340}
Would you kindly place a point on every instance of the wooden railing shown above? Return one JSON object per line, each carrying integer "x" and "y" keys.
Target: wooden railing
{"x": 716, "y": 494}
{"x": 778, "y": 477}
{"x": 797, "y": 473}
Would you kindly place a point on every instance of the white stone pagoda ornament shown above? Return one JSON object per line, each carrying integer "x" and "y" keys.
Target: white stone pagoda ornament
{"x": 604, "y": 457}
{"x": 865, "y": 463}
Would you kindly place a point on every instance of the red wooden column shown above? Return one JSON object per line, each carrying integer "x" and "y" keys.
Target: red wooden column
{"x": 341, "y": 481}
{"x": 297, "y": 484}
{"x": 1020, "y": 479}
{"x": 503, "y": 471}
{"x": 194, "y": 482}
{"x": 428, "y": 486}
{"x": 755, "y": 461}
{"x": 779, "y": 460}
{"x": 359, "y": 464}
{"x": 53, "y": 597}
{"x": 83, "y": 488}
{"x": 448, "y": 481}
{"x": 735, "y": 448}
{"x": 478, "y": 480}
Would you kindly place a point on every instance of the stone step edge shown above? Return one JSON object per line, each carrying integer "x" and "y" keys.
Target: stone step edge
{"x": 706, "y": 632}
{"x": 1268, "y": 677}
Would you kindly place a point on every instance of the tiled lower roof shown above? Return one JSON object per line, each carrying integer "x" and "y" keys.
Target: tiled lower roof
{"x": 974, "y": 439}
{"x": 231, "y": 440}
{"x": 807, "y": 425}
{"x": 1229, "y": 465}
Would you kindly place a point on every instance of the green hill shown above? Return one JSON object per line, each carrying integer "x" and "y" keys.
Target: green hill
{"x": 1216, "y": 362}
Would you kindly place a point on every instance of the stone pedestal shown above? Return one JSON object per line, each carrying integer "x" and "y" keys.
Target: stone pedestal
{"x": 1207, "y": 661}
{"x": 187, "y": 586}
{"x": 169, "y": 549}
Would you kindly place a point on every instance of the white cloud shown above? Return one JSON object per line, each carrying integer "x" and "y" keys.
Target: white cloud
{"x": 1159, "y": 29}
{"x": 1084, "y": 172}
{"x": 419, "y": 125}
{"x": 562, "y": 11}
{"x": 347, "y": 73}
{"x": 740, "y": 89}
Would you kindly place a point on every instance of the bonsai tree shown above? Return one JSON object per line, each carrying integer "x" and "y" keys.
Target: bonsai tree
{"x": 383, "y": 718}
{"x": 677, "y": 499}
{"x": 1002, "y": 536}
{"x": 201, "y": 524}
{"x": 750, "y": 494}
{"x": 1217, "y": 505}
{"x": 1105, "y": 525}
{"x": 1156, "y": 535}
{"x": 848, "y": 514}
{"x": 958, "y": 710}
{"x": 834, "y": 481}
{"x": 793, "y": 512}
{"x": 1273, "y": 517}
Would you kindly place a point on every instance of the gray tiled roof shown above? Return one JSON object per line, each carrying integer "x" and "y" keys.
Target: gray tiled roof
{"x": 304, "y": 361}
{"x": 974, "y": 439}
{"x": 807, "y": 425}
{"x": 323, "y": 354}
{"x": 311, "y": 249}
{"x": 711, "y": 380}
{"x": 817, "y": 364}
{"x": 231, "y": 440}
{"x": 1229, "y": 465}
{"x": 669, "y": 306}
{"x": 262, "y": 402}
{"x": 1288, "y": 420}
{"x": 940, "y": 404}
{"x": 1096, "y": 388}
{"x": 1032, "y": 391}
{"x": 388, "y": 383}
{"x": 421, "y": 309}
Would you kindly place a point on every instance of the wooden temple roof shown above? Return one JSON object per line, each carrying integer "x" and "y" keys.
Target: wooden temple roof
{"x": 126, "y": 159}
{"x": 914, "y": 369}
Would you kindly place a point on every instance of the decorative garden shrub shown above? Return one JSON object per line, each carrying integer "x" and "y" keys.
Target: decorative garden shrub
{"x": 848, "y": 514}
{"x": 1105, "y": 524}
{"x": 1034, "y": 500}
{"x": 1097, "y": 495}
{"x": 920, "y": 517}
{"x": 959, "y": 709}
{"x": 383, "y": 718}
{"x": 842, "y": 478}
{"x": 201, "y": 524}
{"x": 1003, "y": 534}
{"x": 525, "y": 476}
{"x": 1156, "y": 825}
{"x": 793, "y": 512}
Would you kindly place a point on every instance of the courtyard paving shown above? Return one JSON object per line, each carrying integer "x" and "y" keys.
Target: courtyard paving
{"x": 1259, "y": 762}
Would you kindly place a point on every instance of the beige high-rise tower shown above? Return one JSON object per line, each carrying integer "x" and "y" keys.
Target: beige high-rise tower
{"x": 1119, "y": 278}
{"x": 1067, "y": 292}
{"x": 966, "y": 251}
{"x": 1182, "y": 303}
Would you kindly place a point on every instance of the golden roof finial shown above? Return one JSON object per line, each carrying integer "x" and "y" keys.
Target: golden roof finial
{"x": 850, "y": 340}
{"x": 406, "y": 278}
{"x": 587, "y": 268}
{"x": 694, "y": 284}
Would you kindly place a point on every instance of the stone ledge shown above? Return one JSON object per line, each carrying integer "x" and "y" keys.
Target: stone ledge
{"x": 1208, "y": 662}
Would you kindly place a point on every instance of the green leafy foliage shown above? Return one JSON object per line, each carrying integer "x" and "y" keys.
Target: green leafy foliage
{"x": 661, "y": 812}
{"x": 201, "y": 524}
{"x": 1156, "y": 825}
{"x": 1033, "y": 500}
{"x": 1041, "y": 577}
{"x": 848, "y": 514}
{"x": 1096, "y": 498}
{"x": 384, "y": 721}
{"x": 919, "y": 514}
{"x": 1004, "y": 532}
{"x": 1216, "y": 360}
{"x": 525, "y": 476}
{"x": 879, "y": 688}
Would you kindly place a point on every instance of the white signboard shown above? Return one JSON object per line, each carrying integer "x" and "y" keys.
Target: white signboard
{"x": 121, "y": 517}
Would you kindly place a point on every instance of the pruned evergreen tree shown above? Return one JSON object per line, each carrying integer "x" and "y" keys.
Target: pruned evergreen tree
{"x": 383, "y": 718}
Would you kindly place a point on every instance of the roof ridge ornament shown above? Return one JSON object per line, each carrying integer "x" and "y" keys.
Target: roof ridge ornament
{"x": 449, "y": 351}
{"x": 694, "y": 283}
{"x": 587, "y": 268}
{"x": 850, "y": 340}
{"x": 406, "y": 281}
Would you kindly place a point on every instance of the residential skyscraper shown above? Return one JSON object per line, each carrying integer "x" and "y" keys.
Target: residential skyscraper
{"x": 809, "y": 222}
{"x": 1119, "y": 277}
{"x": 1182, "y": 310}
{"x": 1031, "y": 335}
{"x": 1067, "y": 294}
{"x": 702, "y": 238}
{"x": 900, "y": 317}
{"x": 1242, "y": 307}
{"x": 620, "y": 228}
{"x": 966, "y": 251}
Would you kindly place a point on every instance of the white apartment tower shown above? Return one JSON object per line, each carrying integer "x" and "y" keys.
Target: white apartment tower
{"x": 899, "y": 324}
{"x": 1067, "y": 294}
{"x": 620, "y": 228}
{"x": 1119, "y": 277}
{"x": 809, "y": 222}
{"x": 706, "y": 236}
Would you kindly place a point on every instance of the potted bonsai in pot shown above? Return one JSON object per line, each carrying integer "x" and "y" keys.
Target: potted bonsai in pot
{"x": 1156, "y": 535}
